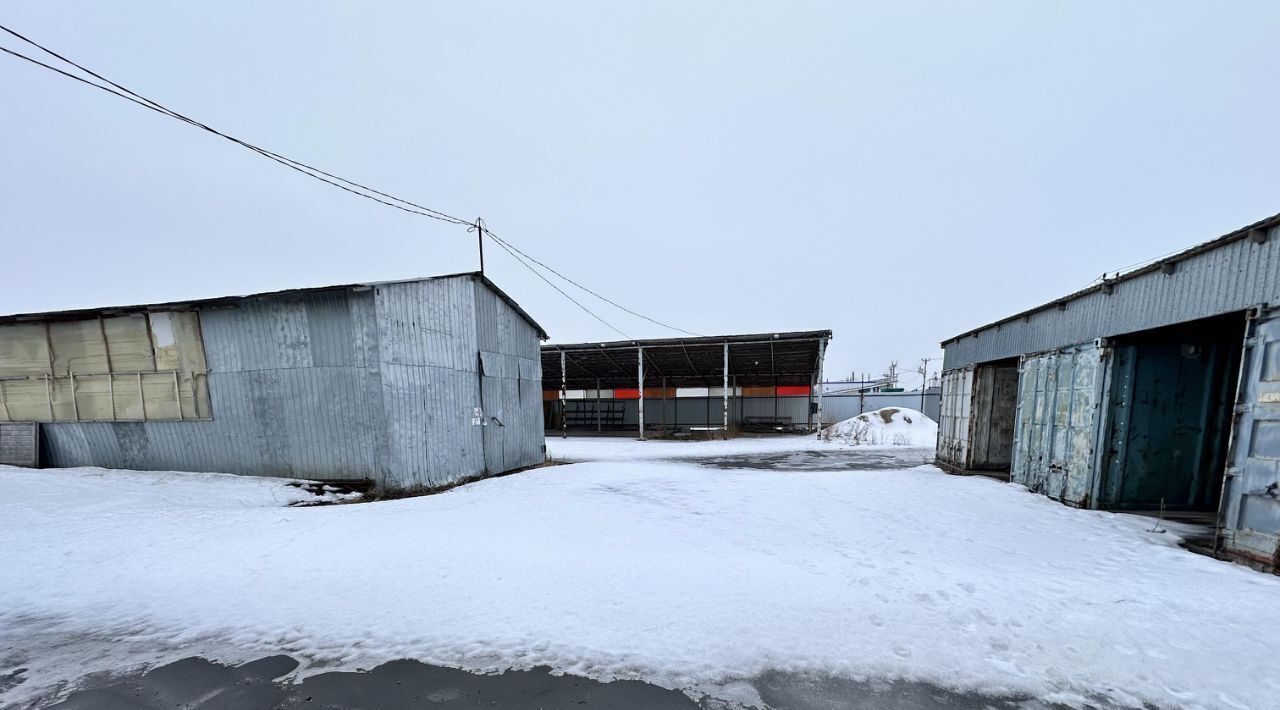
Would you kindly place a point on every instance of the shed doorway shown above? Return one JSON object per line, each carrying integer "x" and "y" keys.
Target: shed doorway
{"x": 995, "y": 409}
{"x": 1169, "y": 415}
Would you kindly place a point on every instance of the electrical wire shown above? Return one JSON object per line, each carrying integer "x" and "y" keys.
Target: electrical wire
{"x": 342, "y": 183}
{"x": 619, "y": 306}
{"x": 562, "y": 293}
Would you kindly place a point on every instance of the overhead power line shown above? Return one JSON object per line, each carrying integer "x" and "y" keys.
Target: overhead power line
{"x": 328, "y": 178}
{"x": 511, "y": 247}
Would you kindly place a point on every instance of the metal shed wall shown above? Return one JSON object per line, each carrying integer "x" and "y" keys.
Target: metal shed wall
{"x": 512, "y": 362}
{"x": 293, "y": 385}
{"x": 377, "y": 382}
{"x": 1226, "y": 278}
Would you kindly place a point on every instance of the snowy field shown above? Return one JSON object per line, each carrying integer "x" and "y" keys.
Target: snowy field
{"x": 635, "y": 564}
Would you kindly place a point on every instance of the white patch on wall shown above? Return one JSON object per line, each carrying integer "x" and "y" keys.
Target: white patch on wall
{"x": 161, "y": 330}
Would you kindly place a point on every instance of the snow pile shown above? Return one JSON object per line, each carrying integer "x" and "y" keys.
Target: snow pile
{"x": 682, "y": 575}
{"x": 891, "y": 426}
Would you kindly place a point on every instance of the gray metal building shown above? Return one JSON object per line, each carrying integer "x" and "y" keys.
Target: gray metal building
{"x": 1156, "y": 389}
{"x": 418, "y": 383}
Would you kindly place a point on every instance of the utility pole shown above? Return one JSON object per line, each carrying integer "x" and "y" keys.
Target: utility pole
{"x": 924, "y": 379}
{"x": 480, "y": 241}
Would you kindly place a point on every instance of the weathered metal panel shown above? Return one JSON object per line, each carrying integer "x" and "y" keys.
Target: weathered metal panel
{"x": 995, "y": 399}
{"x": 1057, "y": 428}
{"x": 272, "y": 415}
{"x": 430, "y": 381}
{"x": 1168, "y": 403}
{"x": 379, "y": 382}
{"x": 1250, "y": 516}
{"x": 1232, "y": 277}
{"x": 288, "y": 422}
{"x": 330, "y": 329}
{"x": 955, "y": 417}
{"x": 512, "y": 357}
{"x": 20, "y": 444}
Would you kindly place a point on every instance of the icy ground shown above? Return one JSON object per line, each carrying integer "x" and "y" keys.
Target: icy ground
{"x": 639, "y": 565}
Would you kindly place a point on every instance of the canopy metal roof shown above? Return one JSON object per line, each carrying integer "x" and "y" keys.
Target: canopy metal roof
{"x": 755, "y": 360}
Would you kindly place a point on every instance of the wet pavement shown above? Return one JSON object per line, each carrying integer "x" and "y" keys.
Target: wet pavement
{"x": 822, "y": 460}
{"x": 198, "y": 684}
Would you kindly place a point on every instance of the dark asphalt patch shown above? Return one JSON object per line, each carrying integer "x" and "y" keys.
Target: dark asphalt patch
{"x": 199, "y": 684}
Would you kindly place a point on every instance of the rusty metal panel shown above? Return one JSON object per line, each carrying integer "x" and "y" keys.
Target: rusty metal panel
{"x": 1233, "y": 277}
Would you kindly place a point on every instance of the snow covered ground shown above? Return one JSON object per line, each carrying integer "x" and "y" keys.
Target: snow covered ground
{"x": 689, "y": 576}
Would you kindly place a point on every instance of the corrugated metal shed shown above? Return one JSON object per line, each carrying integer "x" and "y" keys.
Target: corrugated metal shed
{"x": 1232, "y": 273}
{"x": 379, "y": 381}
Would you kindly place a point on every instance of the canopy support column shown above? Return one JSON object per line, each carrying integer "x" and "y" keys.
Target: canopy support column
{"x": 724, "y": 390}
{"x": 822, "y": 353}
{"x": 564, "y": 396}
{"x": 640, "y": 377}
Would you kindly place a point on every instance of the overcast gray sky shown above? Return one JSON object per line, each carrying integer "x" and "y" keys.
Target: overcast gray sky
{"x": 897, "y": 172}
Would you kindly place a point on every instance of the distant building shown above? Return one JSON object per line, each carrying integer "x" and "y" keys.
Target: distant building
{"x": 418, "y": 383}
{"x": 758, "y": 381}
{"x": 1156, "y": 389}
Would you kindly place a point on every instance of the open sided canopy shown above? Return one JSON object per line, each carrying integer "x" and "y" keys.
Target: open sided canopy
{"x": 756, "y": 360}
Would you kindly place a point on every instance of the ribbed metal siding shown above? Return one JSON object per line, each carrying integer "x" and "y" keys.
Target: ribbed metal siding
{"x": 955, "y": 417}
{"x": 430, "y": 381}
{"x": 374, "y": 383}
{"x": 1231, "y": 278}
{"x": 513, "y": 393}
{"x": 1058, "y": 426}
{"x": 291, "y": 395}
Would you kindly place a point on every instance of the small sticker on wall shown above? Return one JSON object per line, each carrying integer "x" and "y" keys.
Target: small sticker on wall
{"x": 477, "y": 415}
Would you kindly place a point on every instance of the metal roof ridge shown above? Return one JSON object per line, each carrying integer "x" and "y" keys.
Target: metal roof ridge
{"x": 1155, "y": 265}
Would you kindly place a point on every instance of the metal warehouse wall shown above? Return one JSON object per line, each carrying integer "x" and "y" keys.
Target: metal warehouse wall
{"x": 293, "y": 382}
{"x": 370, "y": 382}
{"x": 1231, "y": 277}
